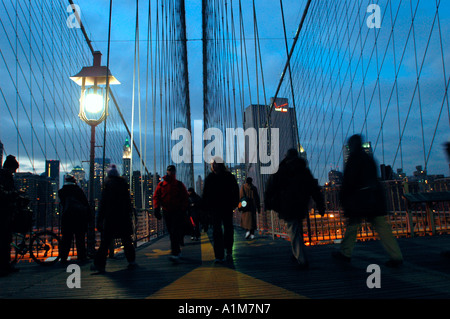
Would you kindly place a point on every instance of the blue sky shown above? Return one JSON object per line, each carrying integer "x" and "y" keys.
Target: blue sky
{"x": 94, "y": 15}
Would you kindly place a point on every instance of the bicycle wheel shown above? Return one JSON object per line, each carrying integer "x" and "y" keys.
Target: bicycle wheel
{"x": 44, "y": 248}
{"x": 20, "y": 248}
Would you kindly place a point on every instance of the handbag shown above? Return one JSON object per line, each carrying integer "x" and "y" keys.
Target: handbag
{"x": 243, "y": 203}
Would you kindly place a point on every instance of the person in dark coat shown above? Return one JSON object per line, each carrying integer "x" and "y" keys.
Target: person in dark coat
{"x": 74, "y": 221}
{"x": 171, "y": 197}
{"x": 220, "y": 198}
{"x": 248, "y": 215}
{"x": 194, "y": 212}
{"x": 8, "y": 196}
{"x": 115, "y": 219}
{"x": 288, "y": 192}
{"x": 362, "y": 197}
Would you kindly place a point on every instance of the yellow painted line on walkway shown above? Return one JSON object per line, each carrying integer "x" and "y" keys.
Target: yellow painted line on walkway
{"x": 211, "y": 281}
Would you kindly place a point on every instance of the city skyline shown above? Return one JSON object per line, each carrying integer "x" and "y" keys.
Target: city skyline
{"x": 428, "y": 56}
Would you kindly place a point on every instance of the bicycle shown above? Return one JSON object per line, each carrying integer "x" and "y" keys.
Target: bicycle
{"x": 43, "y": 247}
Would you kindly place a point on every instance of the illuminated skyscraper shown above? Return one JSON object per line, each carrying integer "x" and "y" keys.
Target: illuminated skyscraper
{"x": 126, "y": 158}
{"x": 52, "y": 170}
{"x": 284, "y": 119}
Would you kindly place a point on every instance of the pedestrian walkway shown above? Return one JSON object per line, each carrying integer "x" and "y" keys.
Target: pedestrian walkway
{"x": 262, "y": 269}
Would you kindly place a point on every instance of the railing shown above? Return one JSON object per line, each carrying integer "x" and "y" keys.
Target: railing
{"x": 147, "y": 228}
{"x": 406, "y": 220}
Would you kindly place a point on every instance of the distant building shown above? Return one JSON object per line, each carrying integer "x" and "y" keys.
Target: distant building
{"x": 126, "y": 158}
{"x": 52, "y": 170}
{"x": 42, "y": 192}
{"x": 239, "y": 172}
{"x": 199, "y": 185}
{"x": 335, "y": 177}
{"x": 80, "y": 176}
{"x": 282, "y": 117}
{"x": 99, "y": 166}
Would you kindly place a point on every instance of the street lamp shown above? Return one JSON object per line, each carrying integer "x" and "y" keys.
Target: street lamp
{"x": 94, "y": 81}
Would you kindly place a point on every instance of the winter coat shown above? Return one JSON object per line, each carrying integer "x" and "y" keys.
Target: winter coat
{"x": 8, "y": 196}
{"x": 171, "y": 195}
{"x": 362, "y": 194}
{"x": 194, "y": 205}
{"x": 75, "y": 208}
{"x": 290, "y": 189}
{"x": 115, "y": 215}
{"x": 220, "y": 192}
{"x": 248, "y": 215}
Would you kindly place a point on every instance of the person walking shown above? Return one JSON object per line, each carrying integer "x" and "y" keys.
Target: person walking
{"x": 288, "y": 192}
{"x": 220, "y": 198}
{"x": 249, "y": 193}
{"x": 194, "y": 213}
{"x": 8, "y": 197}
{"x": 362, "y": 197}
{"x": 74, "y": 219}
{"x": 171, "y": 197}
{"x": 115, "y": 219}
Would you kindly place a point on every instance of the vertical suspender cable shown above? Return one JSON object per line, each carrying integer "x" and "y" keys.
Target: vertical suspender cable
{"x": 305, "y": 11}
{"x": 107, "y": 90}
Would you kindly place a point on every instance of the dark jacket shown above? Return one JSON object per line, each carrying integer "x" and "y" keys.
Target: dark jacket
{"x": 8, "y": 195}
{"x": 290, "y": 189}
{"x": 194, "y": 205}
{"x": 220, "y": 192}
{"x": 75, "y": 208}
{"x": 171, "y": 195}
{"x": 115, "y": 215}
{"x": 362, "y": 194}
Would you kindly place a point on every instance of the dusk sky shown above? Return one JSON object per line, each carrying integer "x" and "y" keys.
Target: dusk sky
{"x": 327, "y": 26}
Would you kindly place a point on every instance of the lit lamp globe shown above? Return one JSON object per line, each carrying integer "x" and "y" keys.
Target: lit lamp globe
{"x": 92, "y": 79}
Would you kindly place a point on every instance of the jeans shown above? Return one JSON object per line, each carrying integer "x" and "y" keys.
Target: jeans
{"x": 295, "y": 233}
{"x": 175, "y": 223}
{"x": 80, "y": 243}
{"x": 127, "y": 242}
{"x": 223, "y": 239}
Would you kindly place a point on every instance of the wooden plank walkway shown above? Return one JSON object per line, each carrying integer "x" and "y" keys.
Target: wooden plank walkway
{"x": 262, "y": 269}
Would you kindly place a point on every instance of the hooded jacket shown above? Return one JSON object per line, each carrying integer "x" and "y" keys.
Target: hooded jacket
{"x": 362, "y": 194}
{"x": 171, "y": 195}
{"x": 69, "y": 194}
{"x": 290, "y": 189}
{"x": 115, "y": 210}
{"x": 220, "y": 192}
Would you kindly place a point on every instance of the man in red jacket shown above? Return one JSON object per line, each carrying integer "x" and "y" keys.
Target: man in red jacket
{"x": 172, "y": 198}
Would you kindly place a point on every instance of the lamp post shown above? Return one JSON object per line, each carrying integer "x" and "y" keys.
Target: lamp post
{"x": 94, "y": 81}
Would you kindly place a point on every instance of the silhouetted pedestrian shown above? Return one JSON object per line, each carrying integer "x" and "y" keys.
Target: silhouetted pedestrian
{"x": 249, "y": 193}
{"x": 194, "y": 213}
{"x": 220, "y": 198}
{"x": 115, "y": 219}
{"x": 362, "y": 197}
{"x": 75, "y": 212}
{"x": 288, "y": 192}
{"x": 446, "y": 253}
{"x": 171, "y": 197}
{"x": 8, "y": 197}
